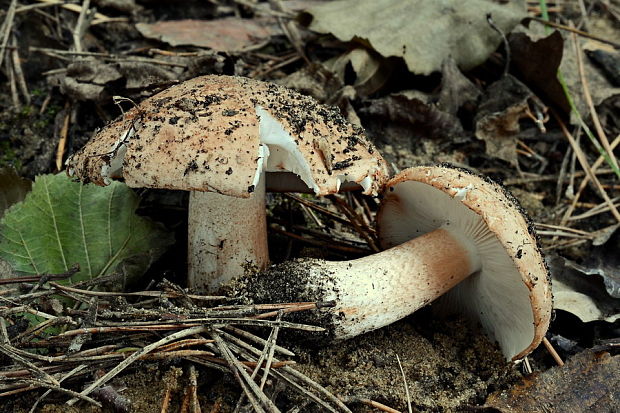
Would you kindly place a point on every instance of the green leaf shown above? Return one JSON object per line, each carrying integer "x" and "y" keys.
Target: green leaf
{"x": 61, "y": 223}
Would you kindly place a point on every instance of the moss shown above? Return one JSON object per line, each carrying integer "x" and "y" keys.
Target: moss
{"x": 27, "y": 110}
{"x": 38, "y": 92}
{"x": 8, "y": 157}
{"x": 26, "y": 138}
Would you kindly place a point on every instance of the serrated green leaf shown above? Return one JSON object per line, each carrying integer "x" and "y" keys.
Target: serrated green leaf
{"x": 61, "y": 223}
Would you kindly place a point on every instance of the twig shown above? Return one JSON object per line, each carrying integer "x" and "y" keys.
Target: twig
{"x": 558, "y": 177}
{"x": 300, "y": 307}
{"x": 380, "y": 406}
{"x": 289, "y": 27}
{"x": 266, "y": 354}
{"x": 125, "y": 363}
{"x": 256, "y": 339}
{"x": 595, "y": 210}
{"x": 12, "y": 353}
{"x": 12, "y": 83}
{"x": 64, "y": 133}
{"x": 506, "y": 49}
{"x": 76, "y": 8}
{"x": 63, "y": 378}
{"x": 76, "y": 395}
{"x": 314, "y": 385}
{"x": 552, "y": 351}
{"x": 588, "y": 98}
{"x": 192, "y": 322}
{"x": 576, "y": 31}
{"x": 586, "y": 167}
{"x": 325, "y": 244}
{"x": 160, "y": 294}
{"x": 322, "y": 210}
{"x": 360, "y": 226}
{"x": 81, "y": 25}
{"x": 402, "y": 372}
{"x": 585, "y": 182}
{"x": 251, "y": 390}
{"x": 19, "y": 74}
{"x": 193, "y": 390}
{"x": 23, "y": 9}
{"x": 58, "y": 53}
{"x": 7, "y": 25}
{"x": 37, "y": 278}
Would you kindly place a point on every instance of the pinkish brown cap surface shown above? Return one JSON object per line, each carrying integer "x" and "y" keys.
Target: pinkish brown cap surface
{"x": 219, "y": 133}
{"x": 511, "y": 293}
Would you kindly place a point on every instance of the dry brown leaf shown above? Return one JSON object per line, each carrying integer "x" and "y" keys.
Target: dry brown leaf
{"x": 127, "y": 6}
{"x": 87, "y": 80}
{"x": 503, "y": 105}
{"x": 456, "y": 90}
{"x": 536, "y": 56}
{"x": 587, "y": 291}
{"x": 608, "y": 62}
{"x": 414, "y": 110}
{"x": 371, "y": 70}
{"x": 423, "y": 33}
{"x": 588, "y": 382}
{"x": 227, "y": 34}
{"x": 314, "y": 80}
{"x": 97, "y": 81}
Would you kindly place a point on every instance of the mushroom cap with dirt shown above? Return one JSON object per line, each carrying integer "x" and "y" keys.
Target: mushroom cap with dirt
{"x": 216, "y": 136}
{"x": 448, "y": 232}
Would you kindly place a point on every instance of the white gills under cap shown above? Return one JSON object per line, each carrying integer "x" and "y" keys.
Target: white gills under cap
{"x": 510, "y": 291}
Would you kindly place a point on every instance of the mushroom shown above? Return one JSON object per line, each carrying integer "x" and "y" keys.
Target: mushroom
{"x": 216, "y": 136}
{"x": 449, "y": 233}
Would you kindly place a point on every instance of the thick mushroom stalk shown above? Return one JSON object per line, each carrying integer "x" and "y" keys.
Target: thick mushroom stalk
{"x": 448, "y": 233}
{"x": 379, "y": 289}
{"x": 225, "y": 235}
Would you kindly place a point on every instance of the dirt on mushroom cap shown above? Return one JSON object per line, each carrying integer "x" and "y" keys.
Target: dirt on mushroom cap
{"x": 203, "y": 135}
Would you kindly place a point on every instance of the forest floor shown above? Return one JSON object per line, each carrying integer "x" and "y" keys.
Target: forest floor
{"x": 68, "y": 68}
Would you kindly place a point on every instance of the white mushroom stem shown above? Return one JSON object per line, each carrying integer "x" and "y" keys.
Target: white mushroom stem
{"x": 227, "y": 236}
{"x": 374, "y": 291}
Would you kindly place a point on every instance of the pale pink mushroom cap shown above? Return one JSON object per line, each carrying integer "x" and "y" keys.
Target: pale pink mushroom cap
{"x": 219, "y": 133}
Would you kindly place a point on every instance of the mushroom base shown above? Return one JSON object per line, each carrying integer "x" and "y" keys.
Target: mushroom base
{"x": 227, "y": 236}
{"x": 373, "y": 291}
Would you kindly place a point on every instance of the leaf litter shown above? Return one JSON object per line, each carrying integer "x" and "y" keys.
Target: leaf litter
{"x": 419, "y": 105}
{"x": 423, "y": 34}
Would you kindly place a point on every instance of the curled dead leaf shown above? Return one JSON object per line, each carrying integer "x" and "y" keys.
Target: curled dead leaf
{"x": 503, "y": 105}
{"x": 423, "y": 33}
{"x": 227, "y": 34}
{"x": 588, "y": 382}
